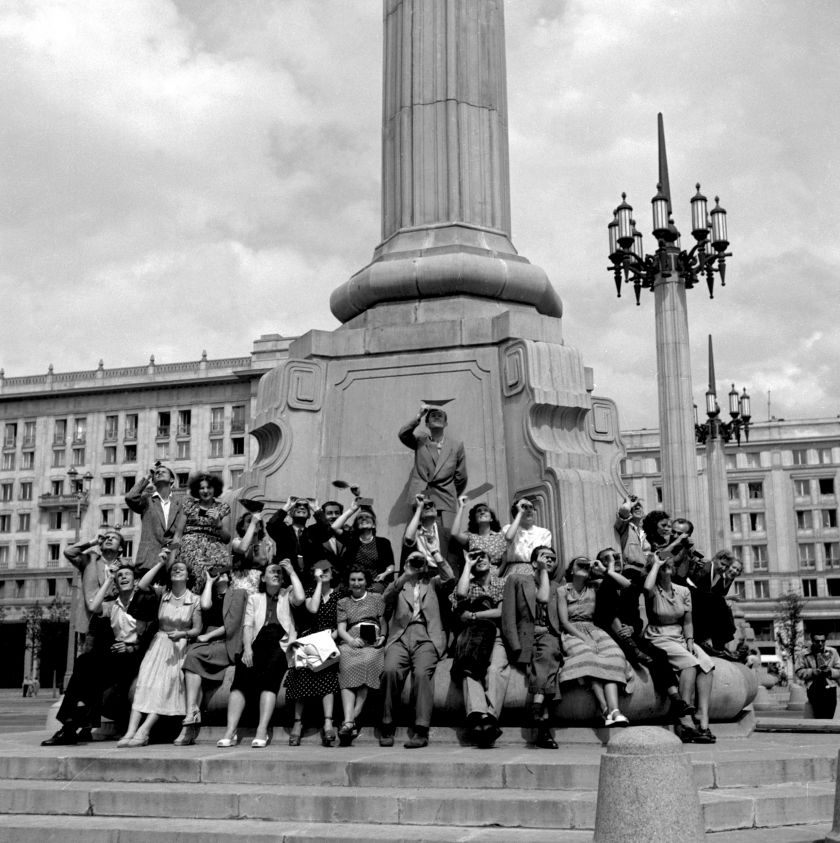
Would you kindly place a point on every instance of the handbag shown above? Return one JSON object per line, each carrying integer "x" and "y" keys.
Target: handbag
{"x": 315, "y": 652}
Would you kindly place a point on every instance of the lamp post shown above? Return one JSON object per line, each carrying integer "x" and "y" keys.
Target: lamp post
{"x": 669, "y": 272}
{"x": 714, "y": 434}
{"x": 81, "y": 492}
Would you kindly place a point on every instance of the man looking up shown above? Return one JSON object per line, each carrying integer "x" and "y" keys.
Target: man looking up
{"x": 151, "y": 498}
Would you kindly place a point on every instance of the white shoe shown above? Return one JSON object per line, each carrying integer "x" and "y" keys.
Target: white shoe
{"x": 226, "y": 743}
{"x": 615, "y": 718}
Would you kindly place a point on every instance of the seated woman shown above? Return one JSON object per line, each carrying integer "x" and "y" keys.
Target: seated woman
{"x": 480, "y": 665}
{"x": 207, "y": 659}
{"x": 204, "y": 528}
{"x": 361, "y": 635}
{"x": 482, "y": 532}
{"x": 363, "y": 547}
{"x": 531, "y": 631}
{"x": 267, "y": 631}
{"x": 302, "y": 683}
{"x": 250, "y": 551}
{"x": 593, "y": 659}
{"x": 160, "y": 682}
{"x": 671, "y": 629}
{"x": 522, "y": 536}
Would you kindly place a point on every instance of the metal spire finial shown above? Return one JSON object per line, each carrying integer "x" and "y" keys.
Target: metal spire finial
{"x": 712, "y": 387}
{"x": 663, "y": 162}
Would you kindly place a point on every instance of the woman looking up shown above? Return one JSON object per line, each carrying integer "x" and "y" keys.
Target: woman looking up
{"x": 522, "y": 536}
{"x": 482, "y": 532}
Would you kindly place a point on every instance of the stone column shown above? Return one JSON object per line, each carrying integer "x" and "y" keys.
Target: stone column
{"x": 676, "y": 403}
{"x": 445, "y": 175}
{"x": 719, "y": 534}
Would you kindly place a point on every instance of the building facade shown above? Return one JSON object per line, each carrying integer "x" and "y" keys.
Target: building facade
{"x": 782, "y": 489}
{"x": 74, "y": 443}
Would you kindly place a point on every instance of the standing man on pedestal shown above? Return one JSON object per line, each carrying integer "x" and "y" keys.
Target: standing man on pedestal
{"x": 440, "y": 464}
{"x": 151, "y": 498}
{"x": 820, "y": 671}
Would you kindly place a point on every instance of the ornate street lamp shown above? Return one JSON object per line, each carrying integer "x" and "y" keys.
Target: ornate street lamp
{"x": 669, "y": 272}
{"x": 81, "y": 493}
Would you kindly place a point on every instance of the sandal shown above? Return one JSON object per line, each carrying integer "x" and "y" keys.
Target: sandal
{"x": 193, "y": 718}
{"x": 294, "y": 735}
{"x": 347, "y": 733}
{"x": 226, "y": 743}
{"x": 327, "y": 735}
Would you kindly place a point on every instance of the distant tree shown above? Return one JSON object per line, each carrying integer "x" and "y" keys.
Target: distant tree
{"x": 789, "y": 630}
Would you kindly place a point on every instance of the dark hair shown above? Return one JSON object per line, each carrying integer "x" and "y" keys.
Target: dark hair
{"x": 128, "y": 565}
{"x": 242, "y": 526}
{"x": 684, "y": 521}
{"x": 568, "y": 572}
{"x": 649, "y": 525}
{"x": 437, "y": 410}
{"x": 360, "y": 569}
{"x": 514, "y": 507}
{"x": 472, "y": 524}
{"x": 167, "y": 577}
{"x": 325, "y": 504}
{"x": 215, "y": 482}
{"x": 604, "y": 550}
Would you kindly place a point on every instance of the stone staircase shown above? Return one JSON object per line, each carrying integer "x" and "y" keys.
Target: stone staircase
{"x": 97, "y": 793}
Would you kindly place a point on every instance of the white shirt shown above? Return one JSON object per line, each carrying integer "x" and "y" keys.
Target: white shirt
{"x": 166, "y": 503}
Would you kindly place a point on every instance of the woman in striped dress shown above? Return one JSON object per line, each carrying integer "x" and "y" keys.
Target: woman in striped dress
{"x": 593, "y": 658}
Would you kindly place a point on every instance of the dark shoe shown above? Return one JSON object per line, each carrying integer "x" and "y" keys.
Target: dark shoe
{"x": 680, "y": 708}
{"x": 686, "y": 734}
{"x": 63, "y": 737}
{"x": 386, "y": 736}
{"x": 327, "y": 737}
{"x": 294, "y": 735}
{"x": 346, "y": 733}
{"x": 416, "y": 742}
{"x": 84, "y": 735}
{"x": 544, "y": 739}
{"x": 704, "y": 736}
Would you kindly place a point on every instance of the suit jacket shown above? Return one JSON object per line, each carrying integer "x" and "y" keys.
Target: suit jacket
{"x": 290, "y": 546}
{"x": 442, "y": 476}
{"x": 154, "y": 533}
{"x": 233, "y": 614}
{"x": 519, "y": 608}
{"x": 399, "y": 609}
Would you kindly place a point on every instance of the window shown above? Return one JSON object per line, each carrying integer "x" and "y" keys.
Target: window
{"x": 9, "y": 461}
{"x": 801, "y": 488}
{"x": 130, "y": 453}
{"x": 833, "y": 588}
{"x": 809, "y": 588}
{"x": 761, "y": 589}
{"x": 752, "y": 459}
{"x": 804, "y": 519}
{"x": 130, "y": 432}
{"x": 22, "y": 555}
{"x": 183, "y": 479}
{"x": 10, "y": 435}
{"x": 110, "y": 454}
{"x": 7, "y": 490}
{"x": 658, "y": 492}
{"x": 235, "y": 477}
{"x": 51, "y": 583}
{"x": 162, "y": 450}
{"x": 657, "y": 463}
{"x": 826, "y": 485}
{"x": 807, "y": 556}
{"x": 237, "y": 446}
{"x": 183, "y": 451}
{"x": 56, "y": 520}
{"x": 824, "y": 456}
{"x": 5, "y": 522}
{"x": 111, "y": 428}
{"x": 734, "y": 492}
{"x": 755, "y": 491}
{"x": 740, "y": 554}
{"x": 729, "y": 462}
{"x": 217, "y": 447}
{"x": 29, "y": 434}
{"x": 78, "y": 456}
{"x": 59, "y": 459}
{"x": 25, "y": 490}
{"x": 79, "y": 431}
{"x": 127, "y": 517}
{"x": 4, "y": 556}
{"x": 739, "y": 589}
{"x": 128, "y": 482}
{"x": 60, "y": 432}
{"x": 831, "y": 554}
{"x": 237, "y": 422}
{"x": 106, "y": 516}
{"x": 109, "y": 485}
{"x": 735, "y": 524}
{"x": 128, "y": 548}
{"x": 163, "y": 425}
{"x": 184, "y": 422}
{"x": 217, "y": 421}
{"x": 27, "y": 460}
{"x": 20, "y": 588}
{"x": 53, "y": 553}
{"x": 759, "y": 557}
{"x": 24, "y": 521}
{"x": 829, "y": 518}
{"x": 800, "y": 456}
{"x": 57, "y": 487}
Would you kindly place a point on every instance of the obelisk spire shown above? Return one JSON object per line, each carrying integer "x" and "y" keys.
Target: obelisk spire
{"x": 445, "y": 173}
{"x": 712, "y": 387}
{"x": 664, "y": 182}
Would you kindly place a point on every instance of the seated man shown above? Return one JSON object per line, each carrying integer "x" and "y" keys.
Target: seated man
{"x": 416, "y": 642}
{"x": 296, "y": 541}
{"x": 714, "y": 626}
{"x": 102, "y": 678}
{"x": 819, "y": 669}
{"x": 631, "y": 536}
{"x": 480, "y": 664}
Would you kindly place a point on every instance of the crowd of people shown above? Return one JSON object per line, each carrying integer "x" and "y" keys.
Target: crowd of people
{"x": 310, "y": 599}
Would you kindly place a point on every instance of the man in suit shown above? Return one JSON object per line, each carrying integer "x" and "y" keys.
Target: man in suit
{"x": 416, "y": 642}
{"x": 298, "y": 542}
{"x": 160, "y": 514}
{"x": 440, "y": 465}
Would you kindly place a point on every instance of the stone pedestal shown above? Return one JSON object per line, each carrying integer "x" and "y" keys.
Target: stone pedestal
{"x": 523, "y": 408}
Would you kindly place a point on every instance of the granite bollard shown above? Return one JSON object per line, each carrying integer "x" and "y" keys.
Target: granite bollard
{"x": 833, "y": 836}
{"x": 646, "y": 790}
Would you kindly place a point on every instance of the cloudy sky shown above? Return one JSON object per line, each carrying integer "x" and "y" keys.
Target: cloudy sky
{"x": 180, "y": 176}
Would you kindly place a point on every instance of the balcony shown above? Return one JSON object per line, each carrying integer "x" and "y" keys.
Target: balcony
{"x": 60, "y": 440}
{"x": 163, "y": 431}
{"x": 217, "y": 428}
{"x": 79, "y": 438}
{"x": 63, "y": 501}
{"x": 130, "y": 434}
{"x": 184, "y": 429}
{"x": 9, "y": 444}
{"x": 237, "y": 426}
{"x": 110, "y": 436}
{"x": 28, "y": 441}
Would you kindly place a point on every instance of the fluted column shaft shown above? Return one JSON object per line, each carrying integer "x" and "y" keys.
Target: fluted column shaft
{"x": 719, "y": 534}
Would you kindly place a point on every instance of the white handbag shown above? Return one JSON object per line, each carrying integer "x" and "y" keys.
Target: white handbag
{"x": 316, "y": 651}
